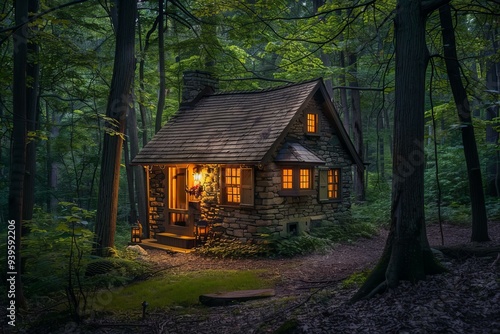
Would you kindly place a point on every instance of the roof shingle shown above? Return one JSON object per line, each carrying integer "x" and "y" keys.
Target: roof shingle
{"x": 238, "y": 127}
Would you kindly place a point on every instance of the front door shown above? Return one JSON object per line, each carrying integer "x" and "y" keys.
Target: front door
{"x": 182, "y": 209}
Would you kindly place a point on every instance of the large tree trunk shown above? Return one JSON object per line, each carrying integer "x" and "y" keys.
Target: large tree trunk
{"x": 119, "y": 102}
{"x": 407, "y": 255}
{"x": 479, "y": 219}
{"x": 138, "y": 173}
{"x": 161, "y": 67}
{"x": 19, "y": 136}
{"x": 32, "y": 117}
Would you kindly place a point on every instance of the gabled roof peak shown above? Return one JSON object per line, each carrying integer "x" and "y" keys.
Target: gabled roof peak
{"x": 268, "y": 89}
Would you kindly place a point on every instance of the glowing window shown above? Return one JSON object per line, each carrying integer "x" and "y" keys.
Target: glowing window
{"x": 287, "y": 178}
{"x": 312, "y": 123}
{"x": 232, "y": 182}
{"x": 305, "y": 179}
{"x": 333, "y": 183}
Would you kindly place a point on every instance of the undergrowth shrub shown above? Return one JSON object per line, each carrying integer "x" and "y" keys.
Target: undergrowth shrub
{"x": 60, "y": 246}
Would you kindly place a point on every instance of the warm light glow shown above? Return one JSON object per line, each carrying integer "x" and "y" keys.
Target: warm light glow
{"x": 197, "y": 177}
{"x": 333, "y": 183}
{"x": 135, "y": 234}
{"x": 287, "y": 178}
{"x": 233, "y": 182}
{"x": 305, "y": 179}
{"x": 312, "y": 123}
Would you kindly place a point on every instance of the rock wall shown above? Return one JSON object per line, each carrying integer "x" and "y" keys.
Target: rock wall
{"x": 271, "y": 213}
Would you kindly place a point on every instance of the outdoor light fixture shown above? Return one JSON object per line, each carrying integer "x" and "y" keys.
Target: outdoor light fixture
{"x": 196, "y": 174}
{"x": 135, "y": 235}
{"x": 201, "y": 230}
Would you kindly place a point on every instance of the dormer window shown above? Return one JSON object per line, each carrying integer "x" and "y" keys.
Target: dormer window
{"x": 312, "y": 123}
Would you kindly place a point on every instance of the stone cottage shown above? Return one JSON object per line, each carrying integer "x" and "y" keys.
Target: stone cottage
{"x": 269, "y": 161}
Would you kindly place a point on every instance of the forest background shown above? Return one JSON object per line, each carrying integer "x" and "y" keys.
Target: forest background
{"x": 70, "y": 53}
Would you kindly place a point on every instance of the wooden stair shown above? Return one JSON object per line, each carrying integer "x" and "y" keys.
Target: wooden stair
{"x": 175, "y": 240}
{"x": 153, "y": 244}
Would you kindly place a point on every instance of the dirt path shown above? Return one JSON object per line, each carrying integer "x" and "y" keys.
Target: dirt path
{"x": 344, "y": 259}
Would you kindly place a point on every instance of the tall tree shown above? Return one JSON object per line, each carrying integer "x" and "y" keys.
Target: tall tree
{"x": 19, "y": 138}
{"x": 32, "y": 118}
{"x": 119, "y": 102}
{"x": 479, "y": 219}
{"x": 161, "y": 67}
{"x": 407, "y": 255}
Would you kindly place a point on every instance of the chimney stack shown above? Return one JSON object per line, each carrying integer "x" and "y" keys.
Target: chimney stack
{"x": 196, "y": 85}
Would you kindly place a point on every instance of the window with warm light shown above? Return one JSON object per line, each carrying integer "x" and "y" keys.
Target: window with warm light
{"x": 312, "y": 123}
{"x": 232, "y": 183}
{"x": 305, "y": 179}
{"x": 330, "y": 184}
{"x": 287, "y": 178}
{"x": 237, "y": 186}
{"x": 296, "y": 181}
{"x": 333, "y": 183}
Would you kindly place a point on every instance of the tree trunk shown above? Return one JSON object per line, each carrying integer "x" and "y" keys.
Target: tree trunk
{"x": 479, "y": 219}
{"x": 32, "y": 117}
{"x": 138, "y": 173}
{"x": 19, "y": 136}
{"x": 492, "y": 136}
{"x": 359, "y": 184}
{"x": 407, "y": 255}
{"x": 161, "y": 67}
{"x": 119, "y": 102}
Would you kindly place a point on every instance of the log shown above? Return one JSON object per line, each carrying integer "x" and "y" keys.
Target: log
{"x": 228, "y": 298}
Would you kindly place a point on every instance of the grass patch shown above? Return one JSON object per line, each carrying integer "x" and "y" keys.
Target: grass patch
{"x": 355, "y": 280}
{"x": 184, "y": 289}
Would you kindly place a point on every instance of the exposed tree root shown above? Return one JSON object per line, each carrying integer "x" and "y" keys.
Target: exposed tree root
{"x": 470, "y": 250}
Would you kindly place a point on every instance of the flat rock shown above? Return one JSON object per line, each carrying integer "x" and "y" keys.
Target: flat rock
{"x": 227, "y": 298}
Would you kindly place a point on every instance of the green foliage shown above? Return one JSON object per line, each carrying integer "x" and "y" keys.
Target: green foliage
{"x": 232, "y": 248}
{"x": 297, "y": 245}
{"x": 60, "y": 246}
{"x": 49, "y": 244}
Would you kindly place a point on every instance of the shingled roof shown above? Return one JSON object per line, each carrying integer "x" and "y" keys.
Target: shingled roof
{"x": 233, "y": 128}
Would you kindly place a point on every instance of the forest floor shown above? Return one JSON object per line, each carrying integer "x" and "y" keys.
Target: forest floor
{"x": 311, "y": 298}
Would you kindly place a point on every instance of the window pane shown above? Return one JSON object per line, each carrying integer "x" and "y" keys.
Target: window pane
{"x": 305, "y": 179}
{"x": 333, "y": 183}
{"x": 287, "y": 178}
{"x": 232, "y": 178}
{"x": 312, "y": 123}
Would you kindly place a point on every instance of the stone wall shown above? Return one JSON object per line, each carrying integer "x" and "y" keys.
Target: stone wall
{"x": 271, "y": 213}
{"x": 156, "y": 198}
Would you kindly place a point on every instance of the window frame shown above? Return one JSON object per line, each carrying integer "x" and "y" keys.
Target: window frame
{"x": 316, "y": 123}
{"x": 324, "y": 184}
{"x": 246, "y": 187}
{"x": 296, "y": 189}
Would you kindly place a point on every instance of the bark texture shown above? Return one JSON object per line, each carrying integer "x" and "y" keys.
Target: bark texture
{"x": 479, "y": 218}
{"x": 407, "y": 255}
{"x": 119, "y": 103}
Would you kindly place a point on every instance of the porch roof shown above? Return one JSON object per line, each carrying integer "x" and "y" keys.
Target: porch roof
{"x": 296, "y": 153}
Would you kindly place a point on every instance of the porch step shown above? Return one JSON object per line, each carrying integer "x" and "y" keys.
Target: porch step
{"x": 176, "y": 240}
{"x": 153, "y": 244}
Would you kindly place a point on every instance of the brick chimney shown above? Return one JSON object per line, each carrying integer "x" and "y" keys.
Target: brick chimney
{"x": 196, "y": 85}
